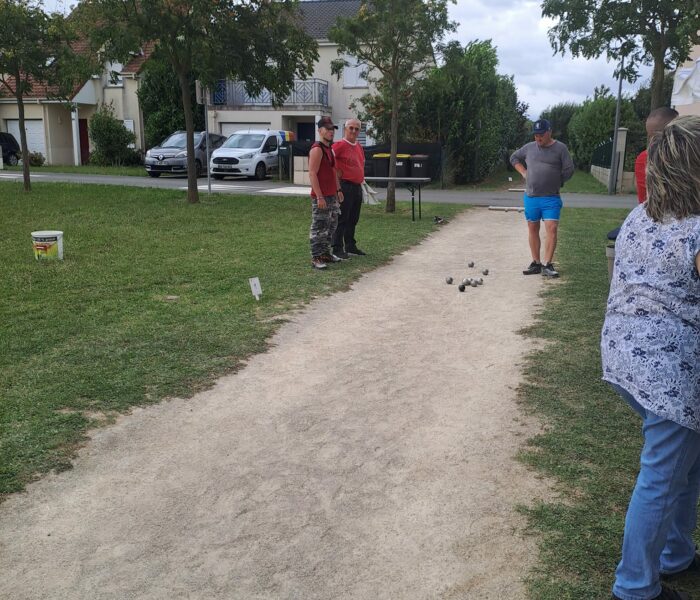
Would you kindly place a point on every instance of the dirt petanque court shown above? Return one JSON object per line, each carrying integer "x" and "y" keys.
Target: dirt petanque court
{"x": 369, "y": 454}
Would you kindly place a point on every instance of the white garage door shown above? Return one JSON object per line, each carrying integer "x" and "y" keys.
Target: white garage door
{"x": 36, "y": 141}
{"x": 228, "y": 128}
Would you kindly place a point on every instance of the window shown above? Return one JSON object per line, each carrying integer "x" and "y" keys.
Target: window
{"x": 354, "y": 74}
{"x": 114, "y": 74}
{"x": 270, "y": 144}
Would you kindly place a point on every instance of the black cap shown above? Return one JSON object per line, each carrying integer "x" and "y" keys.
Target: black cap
{"x": 326, "y": 122}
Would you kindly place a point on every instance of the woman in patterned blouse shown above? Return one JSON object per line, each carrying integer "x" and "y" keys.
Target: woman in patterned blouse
{"x": 651, "y": 355}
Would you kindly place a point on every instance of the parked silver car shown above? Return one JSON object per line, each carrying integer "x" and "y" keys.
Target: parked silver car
{"x": 170, "y": 156}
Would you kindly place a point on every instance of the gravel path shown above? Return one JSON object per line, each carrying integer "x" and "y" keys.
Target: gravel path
{"x": 367, "y": 455}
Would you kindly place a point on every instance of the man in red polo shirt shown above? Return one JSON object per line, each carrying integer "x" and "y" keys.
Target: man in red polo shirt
{"x": 350, "y": 163}
{"x": 656, "y": 121}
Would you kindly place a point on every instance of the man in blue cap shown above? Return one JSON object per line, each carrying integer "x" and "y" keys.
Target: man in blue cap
{"x": 546, "y": 165}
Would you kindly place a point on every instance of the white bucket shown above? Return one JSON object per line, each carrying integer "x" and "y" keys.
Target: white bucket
{"x": 48, "y": 245}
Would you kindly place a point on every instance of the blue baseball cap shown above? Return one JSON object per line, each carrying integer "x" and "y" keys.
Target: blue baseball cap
{"x": 541, "y": 126}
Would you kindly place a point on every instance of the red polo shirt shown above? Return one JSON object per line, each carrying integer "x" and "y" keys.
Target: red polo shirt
{"x": 350, "y": 160}
{"x": 640, "y": 174}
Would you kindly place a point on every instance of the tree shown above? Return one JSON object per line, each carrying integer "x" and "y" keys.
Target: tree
{"x": 642, "y": 99}
{"x": 466, "y": 105}
{"x": 161, "y": 101}
{"x": 593, "y": 123}
{"x": 258, "y": 42}
{"x": 394, "y": 39}
{"x": 560, "y": 116}
{"x": 656, "y": 32}
{"x": 35, "y": 48}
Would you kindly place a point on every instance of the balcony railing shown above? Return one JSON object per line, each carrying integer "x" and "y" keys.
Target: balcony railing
{"x": 306, "y": 92}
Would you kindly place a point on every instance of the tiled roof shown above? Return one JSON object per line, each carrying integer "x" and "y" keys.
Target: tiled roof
{"x": 319, "y": 16}
{"x": 136, "y": 63}
{"x": 40, "y": 89}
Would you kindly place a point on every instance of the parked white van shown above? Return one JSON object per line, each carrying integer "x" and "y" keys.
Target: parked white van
{"x": 250, "y": 152}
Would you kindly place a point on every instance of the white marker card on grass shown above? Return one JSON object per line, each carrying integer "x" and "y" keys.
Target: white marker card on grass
{"x": 255, "y": 287}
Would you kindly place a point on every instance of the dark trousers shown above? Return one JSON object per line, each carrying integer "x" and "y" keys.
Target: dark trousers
{"x": 344, "y": 237}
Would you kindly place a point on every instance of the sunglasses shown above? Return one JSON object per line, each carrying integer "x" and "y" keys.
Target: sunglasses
{"x": 354, "y": 128}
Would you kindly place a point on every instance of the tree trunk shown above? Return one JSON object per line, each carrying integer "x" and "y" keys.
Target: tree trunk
{"x": 391, "y": 187}
{"x": 192, "y": 190}
{"x": 657, "y": 80}
{"x": 23, "y": 140}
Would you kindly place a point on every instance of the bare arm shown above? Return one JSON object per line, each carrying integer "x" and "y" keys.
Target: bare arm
{"x": 697, "y": 262}
{"x": 315, "y": 157}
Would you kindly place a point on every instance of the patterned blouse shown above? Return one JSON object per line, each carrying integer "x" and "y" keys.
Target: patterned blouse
{"x": 651, "y": 336}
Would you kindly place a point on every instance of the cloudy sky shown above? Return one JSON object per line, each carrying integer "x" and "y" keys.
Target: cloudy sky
{"x": 519, "y": 33}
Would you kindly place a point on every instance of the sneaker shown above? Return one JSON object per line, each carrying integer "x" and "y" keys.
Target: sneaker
{"x": 318, "y": 263}
{"x": 666, "y": 594}
{"x": 548, "y": 270}
{"x": 330, "y": 258}
{"x": 341, "y": 254}
{"x": 535, "y": 268}
{"x": 355, "y": 252}
{"x": 693, "y": 567}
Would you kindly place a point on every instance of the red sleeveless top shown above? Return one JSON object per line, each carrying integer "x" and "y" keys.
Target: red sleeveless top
{"x": 326, "y": 171}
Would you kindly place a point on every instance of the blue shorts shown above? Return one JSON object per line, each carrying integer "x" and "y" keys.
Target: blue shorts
{"x": 542, "y": 208}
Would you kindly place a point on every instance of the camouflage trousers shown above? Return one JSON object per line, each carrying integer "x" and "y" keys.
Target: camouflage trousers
{"x": 323, "y": 225}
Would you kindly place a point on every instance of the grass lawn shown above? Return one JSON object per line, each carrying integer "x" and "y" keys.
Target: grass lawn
{"x": 581, "y": 182}
{"x": 89, "y": 337}
{"x": 592, "y": 440}
{"x": 137, "y": 171}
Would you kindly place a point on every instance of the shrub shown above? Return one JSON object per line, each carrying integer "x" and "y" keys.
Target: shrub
{"x": 36, "y": 159}
{"x": 111, "y": 139}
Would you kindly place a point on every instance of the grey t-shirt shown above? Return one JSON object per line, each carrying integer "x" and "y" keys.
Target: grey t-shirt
{"x": 548, "y": 168}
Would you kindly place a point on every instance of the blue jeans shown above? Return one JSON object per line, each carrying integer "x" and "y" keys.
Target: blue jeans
{"x": 662, "y": 513}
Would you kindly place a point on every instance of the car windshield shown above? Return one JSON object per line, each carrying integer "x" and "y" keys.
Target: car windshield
{"x": 179, "y": 140}
{"x": 244, "y": 140}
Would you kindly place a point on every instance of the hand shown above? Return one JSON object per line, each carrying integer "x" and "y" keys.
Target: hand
{"x": 341, "y": 196}
{"x": 321, "y": 202}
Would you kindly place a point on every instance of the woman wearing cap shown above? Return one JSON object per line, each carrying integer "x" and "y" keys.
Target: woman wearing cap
{"x": 651, "y": 355}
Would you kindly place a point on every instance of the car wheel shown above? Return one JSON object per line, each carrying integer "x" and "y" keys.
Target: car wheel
{"x": 12, "y": 160}
{"x": 218, "y": 176}
{"x": 260, "y": 171}
{"x": 153, "y": 174}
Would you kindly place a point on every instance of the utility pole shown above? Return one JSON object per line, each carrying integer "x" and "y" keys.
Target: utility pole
{"x": 612, "y": 180}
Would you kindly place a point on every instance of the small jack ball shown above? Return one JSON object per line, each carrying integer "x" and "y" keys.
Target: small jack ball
{"x": 462, "y": 287}
{"x": 470, "y": 263}
{"x": 448, "y": 280}
{"x": 485, "y": 271}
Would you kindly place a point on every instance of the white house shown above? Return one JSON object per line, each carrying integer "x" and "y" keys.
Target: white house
{"x": 231, "y": 108}
{"x": 686, "y": 85}
{"x": 59, "y": 129}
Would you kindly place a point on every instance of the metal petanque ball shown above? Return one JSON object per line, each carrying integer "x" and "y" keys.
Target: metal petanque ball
{"x": 480, "y": 281}
{"x": 448, "y": 280}
{"x": 485, "y": 271}
{"x": 462, "y": 287}
{"x": 470, "y": 263}
{"x": 474, "y": 283}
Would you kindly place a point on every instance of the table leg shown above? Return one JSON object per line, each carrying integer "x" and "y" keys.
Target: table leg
{"x": 419, "y": 208}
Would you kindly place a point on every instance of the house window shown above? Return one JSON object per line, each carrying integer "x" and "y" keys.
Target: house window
{"x": 114, "y": 74}
{"x": 354, "y": 73}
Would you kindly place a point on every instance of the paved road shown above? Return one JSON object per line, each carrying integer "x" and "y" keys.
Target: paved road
{"x": 246, "y": 186}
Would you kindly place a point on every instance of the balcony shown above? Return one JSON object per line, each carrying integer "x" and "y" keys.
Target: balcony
{"x": 307, "y": 94}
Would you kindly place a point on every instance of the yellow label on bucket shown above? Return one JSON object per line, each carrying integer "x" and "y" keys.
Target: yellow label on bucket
{"x": 45, "y": 248}
{"x": 48, "y": 245}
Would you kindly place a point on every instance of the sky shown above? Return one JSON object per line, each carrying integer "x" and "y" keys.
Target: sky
{"x": 519, "y": 33}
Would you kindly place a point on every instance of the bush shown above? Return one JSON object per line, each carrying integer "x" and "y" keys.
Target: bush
{"x": 111, "y": 139}
{"x": 36, "y": 159}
